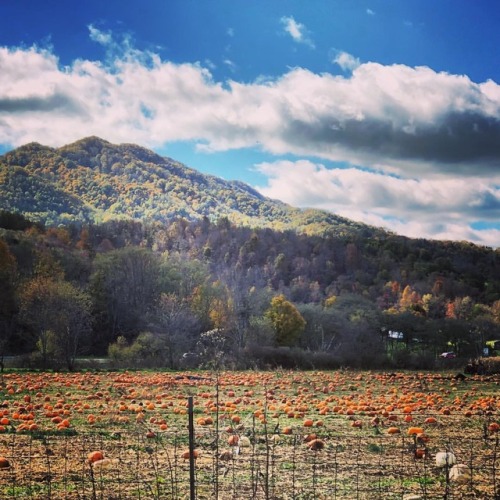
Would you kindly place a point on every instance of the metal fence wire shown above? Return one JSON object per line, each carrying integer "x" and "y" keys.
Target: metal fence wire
{"x": 252, "y": 465}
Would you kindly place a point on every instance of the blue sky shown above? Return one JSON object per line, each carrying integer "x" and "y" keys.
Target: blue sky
{"x": 385, "y": 112}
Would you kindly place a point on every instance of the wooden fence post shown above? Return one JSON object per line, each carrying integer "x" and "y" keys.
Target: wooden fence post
{"x": 192, "y": 485}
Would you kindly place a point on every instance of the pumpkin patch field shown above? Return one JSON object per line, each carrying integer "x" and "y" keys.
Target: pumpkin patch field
{"x": 270, "y": 435}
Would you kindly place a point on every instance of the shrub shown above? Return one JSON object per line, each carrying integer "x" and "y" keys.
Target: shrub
{"x": 491, "y": 365}
{"x": 267, "y": 357}
{"x": 146, "y": 351}
{"x": 413, "y": 360}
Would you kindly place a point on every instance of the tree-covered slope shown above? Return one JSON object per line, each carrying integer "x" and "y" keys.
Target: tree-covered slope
{"x": 93, "y": 180}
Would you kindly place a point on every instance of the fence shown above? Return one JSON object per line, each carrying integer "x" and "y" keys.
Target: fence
{"x": 269, "y": 465}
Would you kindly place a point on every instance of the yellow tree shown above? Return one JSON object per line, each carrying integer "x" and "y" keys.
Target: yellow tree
{"x": 213, "y": 304}
{"x": 410, "y": 300}
{"x": 286, "y": 320}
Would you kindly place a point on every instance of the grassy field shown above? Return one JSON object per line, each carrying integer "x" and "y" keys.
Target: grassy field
{"x": 280, "y": 435}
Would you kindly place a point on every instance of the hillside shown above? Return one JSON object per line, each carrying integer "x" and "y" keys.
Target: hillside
{"x": 95, "y": 181}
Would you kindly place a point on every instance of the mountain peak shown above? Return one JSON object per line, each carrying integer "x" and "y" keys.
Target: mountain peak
{"x": 88, "y": 146}
{"x": 129, "y": 181}
{"x": 92, "y": 141}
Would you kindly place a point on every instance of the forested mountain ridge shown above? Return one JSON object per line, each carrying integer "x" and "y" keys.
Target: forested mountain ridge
{"x": 151, "y": 292}
{"x": 93, "y": 181}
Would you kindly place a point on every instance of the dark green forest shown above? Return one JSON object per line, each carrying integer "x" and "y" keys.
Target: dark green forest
{"x": 185, "y": 293}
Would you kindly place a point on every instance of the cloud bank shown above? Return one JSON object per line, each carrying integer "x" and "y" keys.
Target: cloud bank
{"x": 416, "y": 208}
{"x": 436, "y": 134}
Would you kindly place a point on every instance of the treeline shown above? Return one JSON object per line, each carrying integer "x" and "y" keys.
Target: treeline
{"x": 199, "y": 293}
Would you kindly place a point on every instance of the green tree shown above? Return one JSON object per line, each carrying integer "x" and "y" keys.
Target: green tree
{"x": 358, "y": 323}
{"x": 286, "y": 320}
{"x": 176, "y": 326}
{"x": 8, "y": 307}
{"x": 125, "y": 289}
{"x": 322, "y": 327}
{"x": 59, "y": 316}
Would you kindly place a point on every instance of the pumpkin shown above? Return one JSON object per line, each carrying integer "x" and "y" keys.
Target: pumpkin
{"x": 445, "y": 459}
{"x": 460, "y": 473}
{"x": 233, "y": 440}
{"x": 422, "y": 437}
{"x": 226, "y": 455}
{"x": 244, "y": 442}
{"x": 95, "y": 456}
{"x": 310, "y": 437}
{"x": 493, "y": 427}
{"x": 413, "y": 431}
{"x": 316, "y": 445}
{"x": 186, "y": 454}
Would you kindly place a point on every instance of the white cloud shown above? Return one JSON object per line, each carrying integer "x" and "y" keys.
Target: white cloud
{"x": 346, "y": 61}
{"x": 445, "y": 208}
{"x": 296, "y": 30}
{"x": 230, "y": 64}
{"x": 411, "y": 122}
{"x": 100, "y": 36}
{"x": 370, "y": 12}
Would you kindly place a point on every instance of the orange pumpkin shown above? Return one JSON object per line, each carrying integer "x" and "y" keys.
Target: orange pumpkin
{"x": 95, "y": 456}
{"x": 422, "y": 437}
{"x": 316, "y": 445}
{"x": 493, "y": 427}
{"x": 413, "y": 431}
{"x": 233, "y": 440}
{"x": 186, "y": 454}
{"x": 310, "y": 437}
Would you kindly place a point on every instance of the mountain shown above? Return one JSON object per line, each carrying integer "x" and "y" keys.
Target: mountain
{"x": 95, "y": 181}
